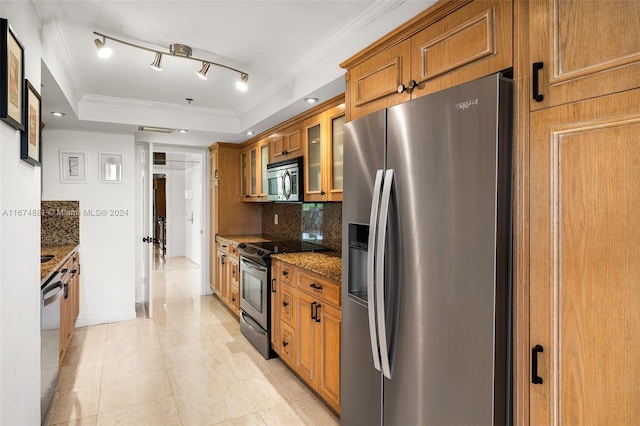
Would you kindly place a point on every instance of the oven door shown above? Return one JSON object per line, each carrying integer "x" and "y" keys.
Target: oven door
{"x": 254, "y": 279}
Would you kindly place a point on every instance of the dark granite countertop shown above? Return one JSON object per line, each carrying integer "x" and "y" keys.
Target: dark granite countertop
{"x": 60, "y": 252}
{"x": 326, "y": 264}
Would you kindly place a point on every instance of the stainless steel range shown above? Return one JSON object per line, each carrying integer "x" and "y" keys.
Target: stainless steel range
{"x": 255, "y": 279}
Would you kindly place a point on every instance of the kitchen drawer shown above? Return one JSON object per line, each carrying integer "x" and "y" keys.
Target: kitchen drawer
{"x": 286, "y": 273}
{"x": 285, "y": 349}
{"x": 224, "y": 246}
{"x": 286, "y": 304}
{"x": 320, "y": 288}
{"x": 234, "y": 271}
{"x": 234, "y": 298}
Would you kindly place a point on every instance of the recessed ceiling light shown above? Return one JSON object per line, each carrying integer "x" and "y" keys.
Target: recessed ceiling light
{"x": 182, "y": 131}
{"x": 311, "y": 100}
{"x": 58, "y": 114}
{"x": 249, "y": 133}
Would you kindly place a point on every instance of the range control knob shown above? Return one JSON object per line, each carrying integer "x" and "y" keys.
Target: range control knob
{"x": 260, "y": 252}
{"x": 242, "y": 245}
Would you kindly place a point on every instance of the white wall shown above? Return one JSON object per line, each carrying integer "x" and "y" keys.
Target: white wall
{"x": 175, "y": 213}
{"x": 107, "y": 243}
{"x": 20, "y": 249}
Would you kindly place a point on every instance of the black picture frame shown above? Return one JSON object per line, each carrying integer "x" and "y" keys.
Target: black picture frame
{"x": 11, "y": 77}
{"x": 31, "y": 138}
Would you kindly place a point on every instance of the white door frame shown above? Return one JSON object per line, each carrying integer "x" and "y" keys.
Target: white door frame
{"x": 203, "y": 153}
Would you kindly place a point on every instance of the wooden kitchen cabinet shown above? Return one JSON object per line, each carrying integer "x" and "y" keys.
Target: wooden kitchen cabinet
{"x": 452, "y": 42}
{"x": 275, "y": 312}
{"x": 586, "y": 48}
{"x": 253, "y": 162}
{"x": 70, "y": 303}
{"x": 228, "y": 215}
{"x": 227, "y": 286}
{"x": 323, "y": 169}
{"x": 307, "y": 336}
{"x": 286, "y": 144}
{"x": 585, "y": 275}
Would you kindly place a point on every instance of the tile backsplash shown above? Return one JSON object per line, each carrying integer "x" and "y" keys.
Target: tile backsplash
{"x": 296, "y": 220}
{"x": 60, "y": 222}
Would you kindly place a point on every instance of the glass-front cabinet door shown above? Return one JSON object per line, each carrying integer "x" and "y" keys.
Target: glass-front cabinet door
{"x": 244, "y": 167}
{"x": 254, "y": 159}
{"x": 336, "y": 117}
{"x": 313, "y": 140}
{"x": 264, "y": 160}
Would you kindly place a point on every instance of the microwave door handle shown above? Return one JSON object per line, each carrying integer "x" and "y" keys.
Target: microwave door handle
{"x": 373, "y": 230}
{"x": 380, "y": 282}
{"x": 286, "y": 176}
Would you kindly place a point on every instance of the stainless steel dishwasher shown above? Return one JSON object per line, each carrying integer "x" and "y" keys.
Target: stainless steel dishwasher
{"x": 51, "y": 293}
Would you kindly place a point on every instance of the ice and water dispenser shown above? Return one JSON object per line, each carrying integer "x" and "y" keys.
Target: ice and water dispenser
{"x": 358, "y": 245}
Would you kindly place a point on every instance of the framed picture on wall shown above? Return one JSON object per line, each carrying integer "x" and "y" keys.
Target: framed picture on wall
{"x": 73, "y": 167}
{"x": 111, "y": 167}
{"x": 11, "y": 77}
{"x": 30, "y": 142}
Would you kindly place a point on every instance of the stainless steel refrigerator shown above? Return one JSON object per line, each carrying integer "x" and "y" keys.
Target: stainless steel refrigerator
{"x": 426, "y": 330}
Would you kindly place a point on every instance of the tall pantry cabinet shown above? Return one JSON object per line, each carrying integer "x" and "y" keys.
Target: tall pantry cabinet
{"x": 584, "y": 212}
{"x": 228, "y": 215}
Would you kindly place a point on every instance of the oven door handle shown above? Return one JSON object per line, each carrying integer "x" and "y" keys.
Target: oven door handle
{"x": 252, "y": 265}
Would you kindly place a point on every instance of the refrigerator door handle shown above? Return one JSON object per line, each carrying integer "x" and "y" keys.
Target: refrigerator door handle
{"x": 373, "y": 231}
{"x": 380, "y": 284}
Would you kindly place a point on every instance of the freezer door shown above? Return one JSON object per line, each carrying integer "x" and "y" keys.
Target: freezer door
{"x": 443, "y": 149}
{"x": 361, "y": 383}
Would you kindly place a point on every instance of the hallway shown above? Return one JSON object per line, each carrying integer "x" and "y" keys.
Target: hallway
{"x": 189, "y": 365}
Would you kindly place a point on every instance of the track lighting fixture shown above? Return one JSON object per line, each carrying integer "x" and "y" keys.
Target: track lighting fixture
{"x": 157, "y": 62}
{"x": 104, "y": 51}
{"x": 176, "y": 51}
{"x": 241, "y": 85}
{"x": 205, "y": 69}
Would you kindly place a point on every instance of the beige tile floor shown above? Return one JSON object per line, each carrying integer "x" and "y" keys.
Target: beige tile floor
{"x": 189, "y": 365}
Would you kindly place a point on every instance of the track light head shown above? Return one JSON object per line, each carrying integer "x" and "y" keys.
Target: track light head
{"x": 205, "y": 69}
{"x": 104, "y": 51}
{"x": 241, "y": 85}
{"x": 157, "y": 62}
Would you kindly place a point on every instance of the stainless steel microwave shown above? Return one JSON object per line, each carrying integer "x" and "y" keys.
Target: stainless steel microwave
{"x": 285, "y": 182}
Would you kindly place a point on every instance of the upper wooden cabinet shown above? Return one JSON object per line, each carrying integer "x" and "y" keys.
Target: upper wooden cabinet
{"x": 286, "y": 144}
{"x": 582, "y": 49}
{"x": 450, "y": 43}
{"x": 323, "y": 140}
{"x": 253, "y": 165}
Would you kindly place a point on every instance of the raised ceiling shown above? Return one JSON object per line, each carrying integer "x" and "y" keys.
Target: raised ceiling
{"x": 291, "y": 50}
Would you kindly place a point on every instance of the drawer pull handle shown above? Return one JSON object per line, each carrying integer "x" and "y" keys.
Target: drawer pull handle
{"x": 318, "y": 306}
{"x": 537, "y": 96}
{"x": 315, "y": 286}
{"x": 273, "y": 285}
{"x": 313, "y": 310}
{"x": 535, "y": 379}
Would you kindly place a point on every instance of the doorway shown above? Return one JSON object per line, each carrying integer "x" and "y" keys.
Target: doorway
{"x": 178, "y": 202}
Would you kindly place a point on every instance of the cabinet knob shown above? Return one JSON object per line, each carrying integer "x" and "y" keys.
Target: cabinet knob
{"x": 285, "y": 304}
{"x": 285, "y": 344}
{"x": 410, "y": 86}
{"x": 285, "y": 273}
{"x": 323, "y": 193}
